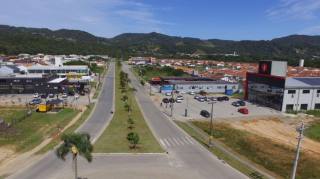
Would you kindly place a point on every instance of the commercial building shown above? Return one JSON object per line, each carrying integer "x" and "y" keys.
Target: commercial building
{"x": 271, "y": 88}
{"x": 196, "y": 84}
{"x": 59, "y": 70}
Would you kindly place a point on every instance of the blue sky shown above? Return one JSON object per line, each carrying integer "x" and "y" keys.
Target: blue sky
{"x": 206, "y": 19}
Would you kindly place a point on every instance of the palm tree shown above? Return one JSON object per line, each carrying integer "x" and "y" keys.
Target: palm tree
{"x": 77, "y": 144}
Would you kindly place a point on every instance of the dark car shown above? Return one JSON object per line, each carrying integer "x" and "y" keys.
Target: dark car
{"x": 236, "y": 104}
{"x": 35, "y": 101}
{"x": 223, "y": 98}
{"x": 51, "y": 95}
{"x": 44, "y": 96}
{"x": 171, "y": 100}
{"x": 205, "y": 113}
{"x": 241, "y": 103}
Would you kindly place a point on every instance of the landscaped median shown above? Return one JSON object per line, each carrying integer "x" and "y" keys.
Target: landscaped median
{"x": 268, "y": 154}
{"x": 128, "y": 131}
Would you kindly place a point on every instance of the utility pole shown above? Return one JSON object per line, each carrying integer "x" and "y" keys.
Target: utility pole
{"x": 172, "y": 101}
{"x": 89, "y": 95}
{"x": 294, "y": 170}
{"x": 150, "y": 89}
{"x": 211, "y": 123}
{"x": 187, "y": 107}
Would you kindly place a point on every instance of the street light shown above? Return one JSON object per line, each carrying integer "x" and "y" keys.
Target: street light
{"x": 211, "y": 127}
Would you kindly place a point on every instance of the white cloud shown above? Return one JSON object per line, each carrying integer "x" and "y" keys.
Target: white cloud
{"x": 100, "y": 17}
{"x": 295, "y": 9}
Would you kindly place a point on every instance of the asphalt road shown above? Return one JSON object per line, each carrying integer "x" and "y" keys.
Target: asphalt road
{"x": 183, "y": 150}
{"x": 49, "y": 166}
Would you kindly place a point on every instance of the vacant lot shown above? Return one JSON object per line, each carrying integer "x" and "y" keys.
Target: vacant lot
{"x": 274, "y": 155}
{"x": 114, "y": 138}
{"x": 148, "y": 72}
{"x": 31, "y": 130}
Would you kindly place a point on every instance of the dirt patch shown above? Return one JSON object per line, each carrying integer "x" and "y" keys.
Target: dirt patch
{"x": 277, "y": 130}
{"x": 5, "y": 153}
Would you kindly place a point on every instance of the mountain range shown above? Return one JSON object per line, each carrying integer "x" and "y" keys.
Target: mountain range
{"x": 15, "y": 40}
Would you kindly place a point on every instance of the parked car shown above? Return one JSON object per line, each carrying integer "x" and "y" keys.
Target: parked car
{"x": 192, "y": 93}
{"x": 223, "y": 98}
{"x": 178, "y": 100}
{"x": 236, "y": 104}
{"x": 51, "y": 95}
{"x": 243, "y": 110}
{"x": 82, "y": 93}
{"x": 201, "y": 99}
{"x": 35, "y": 101}
{"x": 242, "y": 103}
{"x": 196, "y": 97}
{"x": 64, "y": 95}
{"x": 180, "y": 97}
{"x": 165, "y": 100}
{"x": 171, "y": 100}
{"x": 205, "y": 113}
{"x": 168, "y": 94}
{"x": 44, "y": 96}
{"x": 36, "y": 95}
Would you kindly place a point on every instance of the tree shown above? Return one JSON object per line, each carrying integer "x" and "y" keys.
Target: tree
{"x": 130, "y": 122}
{"x": 133, "y": 138}
{"x": 77, "y": 144}
{"x": 124, "y": 98}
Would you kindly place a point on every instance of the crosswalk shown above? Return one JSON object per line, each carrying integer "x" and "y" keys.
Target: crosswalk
{"x": 176, "y": 141}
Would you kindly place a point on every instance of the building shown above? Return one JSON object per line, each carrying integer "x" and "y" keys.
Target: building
{"x": 31, "y": 84}
{"x": 271, "y": 87}
{"x": 197, "y": 84}
{"x": 59, "y": 70}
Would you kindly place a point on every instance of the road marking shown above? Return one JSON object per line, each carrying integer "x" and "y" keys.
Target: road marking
{"x": 167, "y": 143}
{"x": 186, "y": 141}
{"x": 175, "y": 140}
{"x": 162, "y": 143}
{"x": 189, "y": 140}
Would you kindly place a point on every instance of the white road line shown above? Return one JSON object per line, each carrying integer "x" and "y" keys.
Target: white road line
{"x": 167, "y": 143}
{"x": 189, "y": 140}
{"x": 171, "y": 141}
{"x": 162, "y": 143}
{"x": 175, "y": 140}
{"x": 186, "y": 141}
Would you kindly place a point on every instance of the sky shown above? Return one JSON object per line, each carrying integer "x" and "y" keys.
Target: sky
{"x": 205, "y": 19}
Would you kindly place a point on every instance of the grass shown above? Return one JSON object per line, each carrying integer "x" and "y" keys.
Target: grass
{"x": 114, "y": 138}
{"x": 31, "y": 131}
{"x": 313, "y": 131}
{"x": 238, "y": 95}
{"x": 271, "y": 155}
{"x": 220, "y": 154}
{"x": 71, "y": 129}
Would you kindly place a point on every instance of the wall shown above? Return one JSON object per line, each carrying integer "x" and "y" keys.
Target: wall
{"x": 210, "y": 88}
{"x": 299, "y": 98}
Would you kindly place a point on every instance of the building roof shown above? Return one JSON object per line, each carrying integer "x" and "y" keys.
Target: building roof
{"x": 71, "y": 67}
{"x": 200, "y": 82}
{"x": 308, "y": 82}
{"x": 57, "y": 80}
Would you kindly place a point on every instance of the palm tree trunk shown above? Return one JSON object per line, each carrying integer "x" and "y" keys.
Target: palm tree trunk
{"x": 75, "y": 167}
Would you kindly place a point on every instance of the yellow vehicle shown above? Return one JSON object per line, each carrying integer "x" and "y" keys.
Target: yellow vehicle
{"x": 44, "y": 107}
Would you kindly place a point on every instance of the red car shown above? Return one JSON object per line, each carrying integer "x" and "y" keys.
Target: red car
{"x": 243, "y": 110}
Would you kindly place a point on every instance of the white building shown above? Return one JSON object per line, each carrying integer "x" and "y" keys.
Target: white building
{"x": 301, "y": 94}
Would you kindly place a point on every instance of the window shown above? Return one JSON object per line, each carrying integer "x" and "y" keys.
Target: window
{"x": 306, "y": 91}
{"x": 318, "y": 91}
{"x": 317, "y": 106}
{"x": 289, "y": 107}
{"x": 291, "y": 91}
{"x": 304, "y": 107}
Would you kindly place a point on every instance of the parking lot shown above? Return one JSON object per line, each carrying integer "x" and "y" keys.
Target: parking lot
{"x": 23, "y": 99}
{"x": 221, "y": 109}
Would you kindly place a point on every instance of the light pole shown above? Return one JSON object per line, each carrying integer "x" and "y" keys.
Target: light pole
{"x": 172, "y": 101}
{"x": 187, "y": 107}
{"x": 294, "y": 170}
{"x": 211, "y": 127}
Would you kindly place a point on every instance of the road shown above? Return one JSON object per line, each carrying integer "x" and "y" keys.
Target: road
{"x": 183, "y": 150}
{"x": 49, "y": 166}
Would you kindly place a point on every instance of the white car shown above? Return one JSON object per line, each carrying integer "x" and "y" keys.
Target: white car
{"x": 192, "y": 93}
{"x": 64, "y": 95}
{"x": 36, "y": 95}
{"x": 178, "y": 101}
{"x": 168, "y": 94}
{"x": 180, "y": 97}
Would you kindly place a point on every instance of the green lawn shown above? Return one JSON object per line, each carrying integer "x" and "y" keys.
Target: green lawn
{"x": 71, "y": 129}
{"x": 273, "y": 156}
{"x": 31, "y": 131}
{"x": 313, "y": 131}
{"x": 114, "y": 138}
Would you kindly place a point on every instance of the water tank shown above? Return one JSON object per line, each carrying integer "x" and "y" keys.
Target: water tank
{"x": 301, "y": 63}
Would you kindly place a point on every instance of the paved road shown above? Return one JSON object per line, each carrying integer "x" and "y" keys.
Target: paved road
{"x": 50, "y": 166}
{"x": 183, "y": 150}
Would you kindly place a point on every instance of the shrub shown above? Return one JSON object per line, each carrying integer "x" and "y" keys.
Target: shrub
{"x": 133, "y": 138}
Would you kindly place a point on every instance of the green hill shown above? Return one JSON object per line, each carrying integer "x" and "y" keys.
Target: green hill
{"x": 14, "y": 40}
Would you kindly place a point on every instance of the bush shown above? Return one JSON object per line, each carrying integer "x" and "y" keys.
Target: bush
{"x": 131, "y": 123}
{"x": 142, "y": 82}
{"x": 133, "y": 138}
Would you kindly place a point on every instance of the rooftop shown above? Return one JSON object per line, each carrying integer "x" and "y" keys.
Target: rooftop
{"x": 303, "y": 82}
